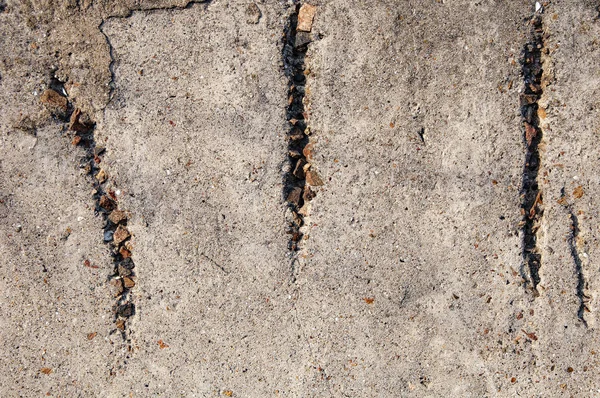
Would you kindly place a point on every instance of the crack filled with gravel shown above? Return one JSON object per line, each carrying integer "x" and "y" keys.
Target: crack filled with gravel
{"x": 572, "y": 241}
{"x": 115, "y": 232}
{"x": 80, "y": 128}
{"x": 299, "y": 176}
{"x": 531, "y": 194}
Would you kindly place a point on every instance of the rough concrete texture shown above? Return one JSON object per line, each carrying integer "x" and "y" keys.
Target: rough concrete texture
{"x": 410, "y": 278}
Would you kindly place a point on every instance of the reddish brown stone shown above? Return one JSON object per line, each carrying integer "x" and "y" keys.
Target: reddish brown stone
{"x": 125, "y": 253}
{"x": 117, "y": 217}
{"x": 77, "y": 122}
{"x": 107, "y": 203}
{"x": 308, "y": 151}
{"x": 128, "y": 282}
{"x": 530, "y": 133}
{"x": 120, "y": 235}
{"x": 54, "y": 102}
{"x": 120, "y": 324}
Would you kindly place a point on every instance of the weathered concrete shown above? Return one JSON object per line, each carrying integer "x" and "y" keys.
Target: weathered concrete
{"x": 410, "y": 278}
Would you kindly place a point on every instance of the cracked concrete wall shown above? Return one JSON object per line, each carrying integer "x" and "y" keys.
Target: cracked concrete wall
{"x": 416, "y": 225}
{"x": 195, "y": 136}
{"x": 409, "y": 278}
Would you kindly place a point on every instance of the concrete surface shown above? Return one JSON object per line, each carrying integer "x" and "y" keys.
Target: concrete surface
{"x": 409, "y": 279}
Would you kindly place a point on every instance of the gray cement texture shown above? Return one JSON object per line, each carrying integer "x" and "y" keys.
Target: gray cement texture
{"x": 341, "y": 198}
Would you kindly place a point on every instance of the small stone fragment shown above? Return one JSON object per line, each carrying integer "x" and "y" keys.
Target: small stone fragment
{"x": 101, "y": 176}
{"x": 120, "y": 324}
{"x": 120, "y": 235}
{"x": 306, "y": 16}
{"x": 532, "y": 335}
{"x": 127, "y": 263}
{"x": 529, "y": 113}
{"x": 297, "y": 219}
{"x": 117, "y": 287}
{"x": 107, "y": 203}
{"x": 578, "y": 192}
{"x": 313, "y": 179}
{"x": 535, "y": 88}
{"x": 123, "y": 271}
{"x": 87, "y": 263}
{"x": 65, "y": 235}
{"x": 91, "y": 336}
{"x": 117, "y": 216}
{"x": 77, "y": 122}
{"x": 294, "y": 154}
{"x": 124, "y": 252}
{"x": 108, "y": 236}
{"x": 309, "y": 194}
{"x": 54, "y": 102}
{"x": 541, "y": 113}
{"x": 294, "y": 196}
{"x": 298, "y": 170}
{"x": 162, "y": 345}
{"x": 297, "y": 136}
{"x": 46, "y": 371}
{"x": 308, "y": 151}
{"x": 530, "y": 133}
{"x": 296, "y": 236}
{"x": 128, "y": 282}
{"x": 253, "y": 14}
{"x": 99, "y": 150}
{"x": 76, "y": 140}
{"x": 302, "y": 39}
{"x": 126, "y": 310}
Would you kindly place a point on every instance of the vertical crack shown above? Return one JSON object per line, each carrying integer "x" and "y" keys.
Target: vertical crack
{"x": 531, "y": 194}
{"x": 111, "y": 64}
{"x": 298, "y": 177}
{"x": 115, "y": 232}
{"x": 573, "y": 248}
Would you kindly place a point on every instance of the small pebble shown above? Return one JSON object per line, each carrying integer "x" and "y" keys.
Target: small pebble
{"x": 306, "y": 16}
{"x": 120, "y": 235}
{"x": 126, "y": 310}
{"x": 108, "y": 236}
